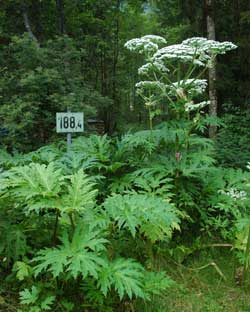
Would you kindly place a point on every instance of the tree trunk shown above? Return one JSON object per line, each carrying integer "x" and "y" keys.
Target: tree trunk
{"x": 60, "y": 12}
{"x": 116, "y": 50}
{"x": 27, "y": 24}
{"x": 115, "y": 109}
{"x": 212, "y": 70}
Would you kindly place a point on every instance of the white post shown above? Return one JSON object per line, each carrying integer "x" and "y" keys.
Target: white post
{"x": 68, "y": 143}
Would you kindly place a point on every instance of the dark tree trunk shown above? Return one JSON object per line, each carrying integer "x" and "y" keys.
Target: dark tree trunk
{"x": 236, "y": 15}
{"x": 114, "y": 71}
{"x": 60, "y": 12}
{"x": 116, "y": 49}
{"x": 212, "y": 71}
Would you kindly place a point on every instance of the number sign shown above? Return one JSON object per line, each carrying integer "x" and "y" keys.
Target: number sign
{"x": 69, "y": 122}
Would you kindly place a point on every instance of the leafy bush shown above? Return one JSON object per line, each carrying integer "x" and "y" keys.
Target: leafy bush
{"x": 67, "y": 236}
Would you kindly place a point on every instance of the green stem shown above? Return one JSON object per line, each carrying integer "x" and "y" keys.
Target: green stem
{"x": 150, "y": 120}
{"x": 190, "y": 73}
{"x": 179, "y": 73}
{"x": 200, "y": 74}
{"x": 191, "y": 66}
{"x": 151, "y": 126}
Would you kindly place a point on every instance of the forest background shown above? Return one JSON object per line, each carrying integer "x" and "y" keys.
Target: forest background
{"x": 39, "y": 37}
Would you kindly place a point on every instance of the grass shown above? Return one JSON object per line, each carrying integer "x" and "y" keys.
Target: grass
{"x": 202, "y": 287}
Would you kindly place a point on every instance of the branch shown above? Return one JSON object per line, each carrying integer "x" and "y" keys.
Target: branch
{"x": 213, "y": 264}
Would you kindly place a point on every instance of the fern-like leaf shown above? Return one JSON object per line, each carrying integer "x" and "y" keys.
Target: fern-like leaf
{"x": 35, "y": 179}
{"x": 29, "y": 297}
{"x": 80, "y": 193}
{"x": 124, "y": 275}
{"x": 81, "y": 256}
{"x": 152, "y": 216}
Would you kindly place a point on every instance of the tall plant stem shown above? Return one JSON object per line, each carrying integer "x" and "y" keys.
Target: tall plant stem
{"x": 150, "y": 123}
{"x": 190, "y": 72}
{"x": 200, "y": 74}
{"x": 179, "y": 73}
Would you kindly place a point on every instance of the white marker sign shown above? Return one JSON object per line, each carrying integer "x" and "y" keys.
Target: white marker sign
{"x": 69, "y": 122}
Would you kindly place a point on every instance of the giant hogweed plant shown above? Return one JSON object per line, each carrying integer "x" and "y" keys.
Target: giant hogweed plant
{"x": 174, "y": 76}
{"x": 174, "y": 73}
{"x": 67, "y": 239}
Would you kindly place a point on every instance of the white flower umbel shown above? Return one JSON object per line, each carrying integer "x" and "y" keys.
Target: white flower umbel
{"x": 151, "y": 85}
{"x": 234, "y": 193}
{"x": 190, "y": 106}
{"x": 141, "y": 45}
{"x": 155, "y": 39}
{"x": 146, "y": 44}
{"x": 190, "y": 86}
{"x": 209, "y": 46}
{"x": 149, "y": 68}
{"x": 182, "y": 53}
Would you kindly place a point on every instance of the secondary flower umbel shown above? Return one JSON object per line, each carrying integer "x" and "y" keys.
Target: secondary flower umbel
{"x": 146, "y": 44}
{"x": 182, "y": 53}
{"x": 209, "y": 46}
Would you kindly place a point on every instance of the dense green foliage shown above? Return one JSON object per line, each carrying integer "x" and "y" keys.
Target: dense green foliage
{"x": 98, "y": 233}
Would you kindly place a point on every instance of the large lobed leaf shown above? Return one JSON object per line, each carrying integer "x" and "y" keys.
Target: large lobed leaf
{"x": 80, "y": 193}
{"x": 150, "y": 215}
{"x": 35, "y": 180}
{"x": 124, "y": 275}
{"x": 81, "y": 256}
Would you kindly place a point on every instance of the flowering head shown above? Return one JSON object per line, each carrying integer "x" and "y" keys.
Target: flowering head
{"x": 153, "y": 67}
{"x": 181, "y": 53}
{"x": 178, "y": 85}
{"x": 145, "y": 45}
{"x": 210, "y": 47}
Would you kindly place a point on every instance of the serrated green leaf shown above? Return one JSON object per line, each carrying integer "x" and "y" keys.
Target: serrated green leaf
{"x": 29, "y": 297}
{"x": 80, "y": 193}
{"x": 150, "y": 215}
{"x": 47, "y": 302}
{"x": 124, "y": 275}
{"x": 79, "y": 256}
{"x": 22, "y": 270}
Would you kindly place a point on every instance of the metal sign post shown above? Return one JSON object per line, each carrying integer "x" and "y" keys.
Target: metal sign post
{"x": 68, "y": 142}
{"x": 69, "y": 123}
